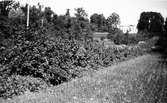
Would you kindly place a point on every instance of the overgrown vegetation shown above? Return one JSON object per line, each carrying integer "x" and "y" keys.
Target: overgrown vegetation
{"x": 56, "y": 61}
{"x": 56, "y": 49}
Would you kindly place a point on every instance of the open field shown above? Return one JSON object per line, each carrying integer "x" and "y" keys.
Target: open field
{"x": 139, "y": 80}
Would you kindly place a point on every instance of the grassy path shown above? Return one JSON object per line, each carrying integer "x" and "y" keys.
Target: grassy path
{"x": 139, "y": 80}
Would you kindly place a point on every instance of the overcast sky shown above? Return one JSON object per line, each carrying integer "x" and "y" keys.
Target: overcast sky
{"x": 129, "y": 10}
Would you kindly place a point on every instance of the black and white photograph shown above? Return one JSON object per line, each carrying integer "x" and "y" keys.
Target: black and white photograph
{"x": 83, "y": 51}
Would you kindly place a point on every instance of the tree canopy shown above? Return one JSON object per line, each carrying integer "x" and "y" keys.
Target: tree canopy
{"x": 112, "y": 22}
{"x": 81, "y": 13}
{"x": 165, "y": 27}
{"x": 98, "y": 20}
{"x": 5, "y": 7}
{"x": 150, "y": 22}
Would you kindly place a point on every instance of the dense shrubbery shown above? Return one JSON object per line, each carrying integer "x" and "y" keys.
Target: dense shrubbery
{"x": 54, "y": 52}
{"x": 129, "y": 39}
{"x": 54, "y": 60}
{"x": 16, "y": 85}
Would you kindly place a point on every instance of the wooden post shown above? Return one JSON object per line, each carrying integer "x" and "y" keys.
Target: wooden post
{"x": 28, "y": 14}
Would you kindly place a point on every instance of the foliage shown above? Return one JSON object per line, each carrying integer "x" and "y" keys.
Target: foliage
{"x": 100, "y": 21}
{"x": 16, "y": 13}
{"x": 48, "y": 14}
{"x": 15, "y": 85}
{"x": 55, "y": 51}
{"x": 4, "y": 23}
{"x": 80, "y": 13}
{"x": 151, "y": 22}
{"x": 56, "y": 60}
{"x": 165, "y": 26}
{"x": 101, "y": 24}
{"x": 5, "y": 7}
{"x": 112, "y": 22}
{"x": 129, "y": 39}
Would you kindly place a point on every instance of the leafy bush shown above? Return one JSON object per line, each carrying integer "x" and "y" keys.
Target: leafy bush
{"x": 16, "y": 85}
{"x": 54, "y": 60}
{"x": 48, "y": 54}
{"x": 36, "y": 58}
{"x": 129, "y": 39}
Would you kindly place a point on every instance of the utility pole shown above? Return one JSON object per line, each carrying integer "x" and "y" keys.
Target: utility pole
{"x": 28, "y": 15}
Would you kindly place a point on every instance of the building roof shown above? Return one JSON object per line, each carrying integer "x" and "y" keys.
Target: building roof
{"x": 100, "y": 34}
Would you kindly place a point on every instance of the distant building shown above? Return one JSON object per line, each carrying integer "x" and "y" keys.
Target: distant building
{"x": 129, "y": 28}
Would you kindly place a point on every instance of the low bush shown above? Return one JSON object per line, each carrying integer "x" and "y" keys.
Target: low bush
{"x": 16, "y": 85}
{"x": 129, "y": 39}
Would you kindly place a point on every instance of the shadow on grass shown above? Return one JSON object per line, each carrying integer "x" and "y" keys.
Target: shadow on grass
{"x": 162, "y": 91}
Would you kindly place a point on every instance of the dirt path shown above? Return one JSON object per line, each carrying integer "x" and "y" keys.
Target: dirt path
{"x": 140, "y": 80}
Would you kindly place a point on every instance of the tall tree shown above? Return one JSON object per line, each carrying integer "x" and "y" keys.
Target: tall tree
{"x": 68, "y": 19}
{"x": 98, "y": 20}
{"x": 94, "y": 18}
{"x": 16, "y": 13}
{"x": 48, "y": 13}
{"x": 112, "y": 22}
{"x": 59, "y": 22}
{"x": 151, "y": 22}
{"x": 5, "y": 7}
{"x": 165, "y": 26}
{"x": 68, "y": 13}
{"x": 5, "y": 26}
{"x": 81, "y": 13}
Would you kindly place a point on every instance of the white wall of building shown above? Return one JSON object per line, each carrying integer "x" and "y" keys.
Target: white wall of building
{"x": 130, "y": 28}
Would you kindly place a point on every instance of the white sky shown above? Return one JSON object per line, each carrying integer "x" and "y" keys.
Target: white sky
{"x": 129, "y": 10}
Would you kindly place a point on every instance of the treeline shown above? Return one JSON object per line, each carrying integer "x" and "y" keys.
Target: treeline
{"x": 13, "y": 18}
